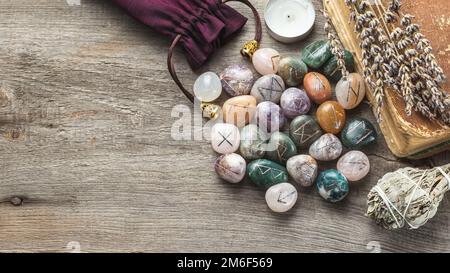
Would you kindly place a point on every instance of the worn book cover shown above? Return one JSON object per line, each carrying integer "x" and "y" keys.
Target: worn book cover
{"x": 407, "y": 136}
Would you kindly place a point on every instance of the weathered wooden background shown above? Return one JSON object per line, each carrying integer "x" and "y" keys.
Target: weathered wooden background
{"x": 87, "y": 158}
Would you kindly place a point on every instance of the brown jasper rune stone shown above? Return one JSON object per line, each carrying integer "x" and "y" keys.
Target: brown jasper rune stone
{"x": 317, "y": 87}
{"x": 331, "y": 117}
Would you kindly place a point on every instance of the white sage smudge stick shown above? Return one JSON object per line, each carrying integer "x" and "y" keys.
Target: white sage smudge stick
{"x": 408, "y": 197}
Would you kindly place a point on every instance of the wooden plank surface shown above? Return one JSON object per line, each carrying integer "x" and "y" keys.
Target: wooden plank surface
{"x": 87, "y": 159}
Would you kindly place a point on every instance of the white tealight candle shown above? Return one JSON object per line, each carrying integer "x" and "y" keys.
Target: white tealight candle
{"x": 289, "y": 21}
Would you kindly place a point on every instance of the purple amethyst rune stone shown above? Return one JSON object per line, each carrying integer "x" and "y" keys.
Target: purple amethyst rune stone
{"x": 269, "y": 117}
{"x": 295, "y": 102}
{"x": 237, "y": 80}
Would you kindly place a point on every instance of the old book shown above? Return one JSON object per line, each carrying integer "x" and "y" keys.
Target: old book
{"x": 407, "y": 136}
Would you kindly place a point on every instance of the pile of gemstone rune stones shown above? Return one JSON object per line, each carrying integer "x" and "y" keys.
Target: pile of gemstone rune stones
{"x": 267, "y": 132}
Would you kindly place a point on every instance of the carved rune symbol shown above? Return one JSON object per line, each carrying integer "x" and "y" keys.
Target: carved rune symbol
{"x": 273, "y": 61}
{"x": 225, "y": 139}
{"x": 307, "y": 169}
{"x": 266, "y": 92}
{"x": 329, "y": 146}
{"x": 274, "y": 173}
{"x": 366, "y": 131}
{"x": 294, "y": 74}
{"x": 281, "y": 151}
{"x": 304, "y": 137}
{"x": 357, "y": 165}
{"x": 244, "y": 111}
{"x": 281, "y": 199}
{"x": 352, "y": 91}
{"x": 318, "y": 85}
{"x": 337, "y": 124}
{"x": 241, "y": 84}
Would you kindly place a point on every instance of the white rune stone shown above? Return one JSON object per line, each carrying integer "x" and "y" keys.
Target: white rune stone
{"x": 231, "y": 167}
{"x": 281, "y": 197}
{"x": 208, "y": 87}
{"x": 268, "y": 88}
{"x": 225, "y": 138}
{"x": 350, "y": 91}
{"x": 303, "y": 169}
{"x": 327, "y": 148}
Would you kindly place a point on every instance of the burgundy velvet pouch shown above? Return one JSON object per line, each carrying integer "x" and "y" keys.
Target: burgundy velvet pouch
{"x": 204, "y": 25}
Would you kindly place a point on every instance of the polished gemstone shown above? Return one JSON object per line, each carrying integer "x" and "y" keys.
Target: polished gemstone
{"x": 331, "y": 117}
{"x": 266, "y": 61}
{"x": 327, "y": 148}
{"x": 303, "y": 169}
{"x": 294, "y": 102}
{"x": 292, "y": 70}
{"x": 231, "y": 167}
{"x": 237, "y": 80}
{"x": 331, "y": 69}
{"x": 225, "y": 138}
{"x": 239, "y": 110}
{"x": 304, "y": 130}
{"x": 266, "y": 173}
{"x": 281, "y": 197}
{"x": 358, "y": 133}
{"x": 316, "y": 54}
{"x": 317, "y": 87}
{"x": 207, "y": 87}
{"x": 268, "y": 88}
{"x": 350, "y": 91}
{"x": 332, "y": 186}
{"x": 354, "y": 165}
{"x": 252, "y": 142}
{"x": 269, "y": 117}
{"x": 280, "y": 148}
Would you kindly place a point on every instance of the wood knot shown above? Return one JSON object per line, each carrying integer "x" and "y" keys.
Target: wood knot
{"x": 6, "y": 96}
{"x": 14, "y": 134}
{"x": 16, "y": 201}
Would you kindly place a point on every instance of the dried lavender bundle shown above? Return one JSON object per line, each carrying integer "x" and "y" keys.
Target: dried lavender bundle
{"x": 336, "y": 46}
{"x": 408, "y": 197}
{"x": 396, "y": 55}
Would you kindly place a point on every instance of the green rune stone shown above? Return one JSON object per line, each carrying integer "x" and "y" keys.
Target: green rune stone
{"x": 252, "y": 142}
{"x": 281, "y": 148}
{"x": 265, "y": 173}
{"x": 358, "y": 133}
{"x": 330, "y": 68}
{"x": 316, "y": 54}
{"x": 292, "y": 70}
{"x": 304, "y": 131}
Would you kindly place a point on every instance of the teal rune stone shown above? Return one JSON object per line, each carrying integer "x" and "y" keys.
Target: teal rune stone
{"x": 316, "y": 54}
{"x": 332, "y": 186}
{"x": 331, "y": 70}
{"x": 280, "y": 148}
{"x": 304, "y": 131}
{"x": 358, "y": 133}
{"x": 266, "y": 173}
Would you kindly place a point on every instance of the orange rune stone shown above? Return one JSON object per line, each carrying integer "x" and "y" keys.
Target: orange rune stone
{"x": 331, "y": 117}
{"x": 239, "y": 110}
{"x": 317, "y": 87}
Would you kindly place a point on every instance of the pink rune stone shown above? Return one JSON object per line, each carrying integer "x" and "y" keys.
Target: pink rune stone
{"x": 266, "y": 61}
{"x": 354, "y": 165}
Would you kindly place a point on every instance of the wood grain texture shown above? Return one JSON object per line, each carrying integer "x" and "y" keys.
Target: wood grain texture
{"x": 87, "y": 156}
